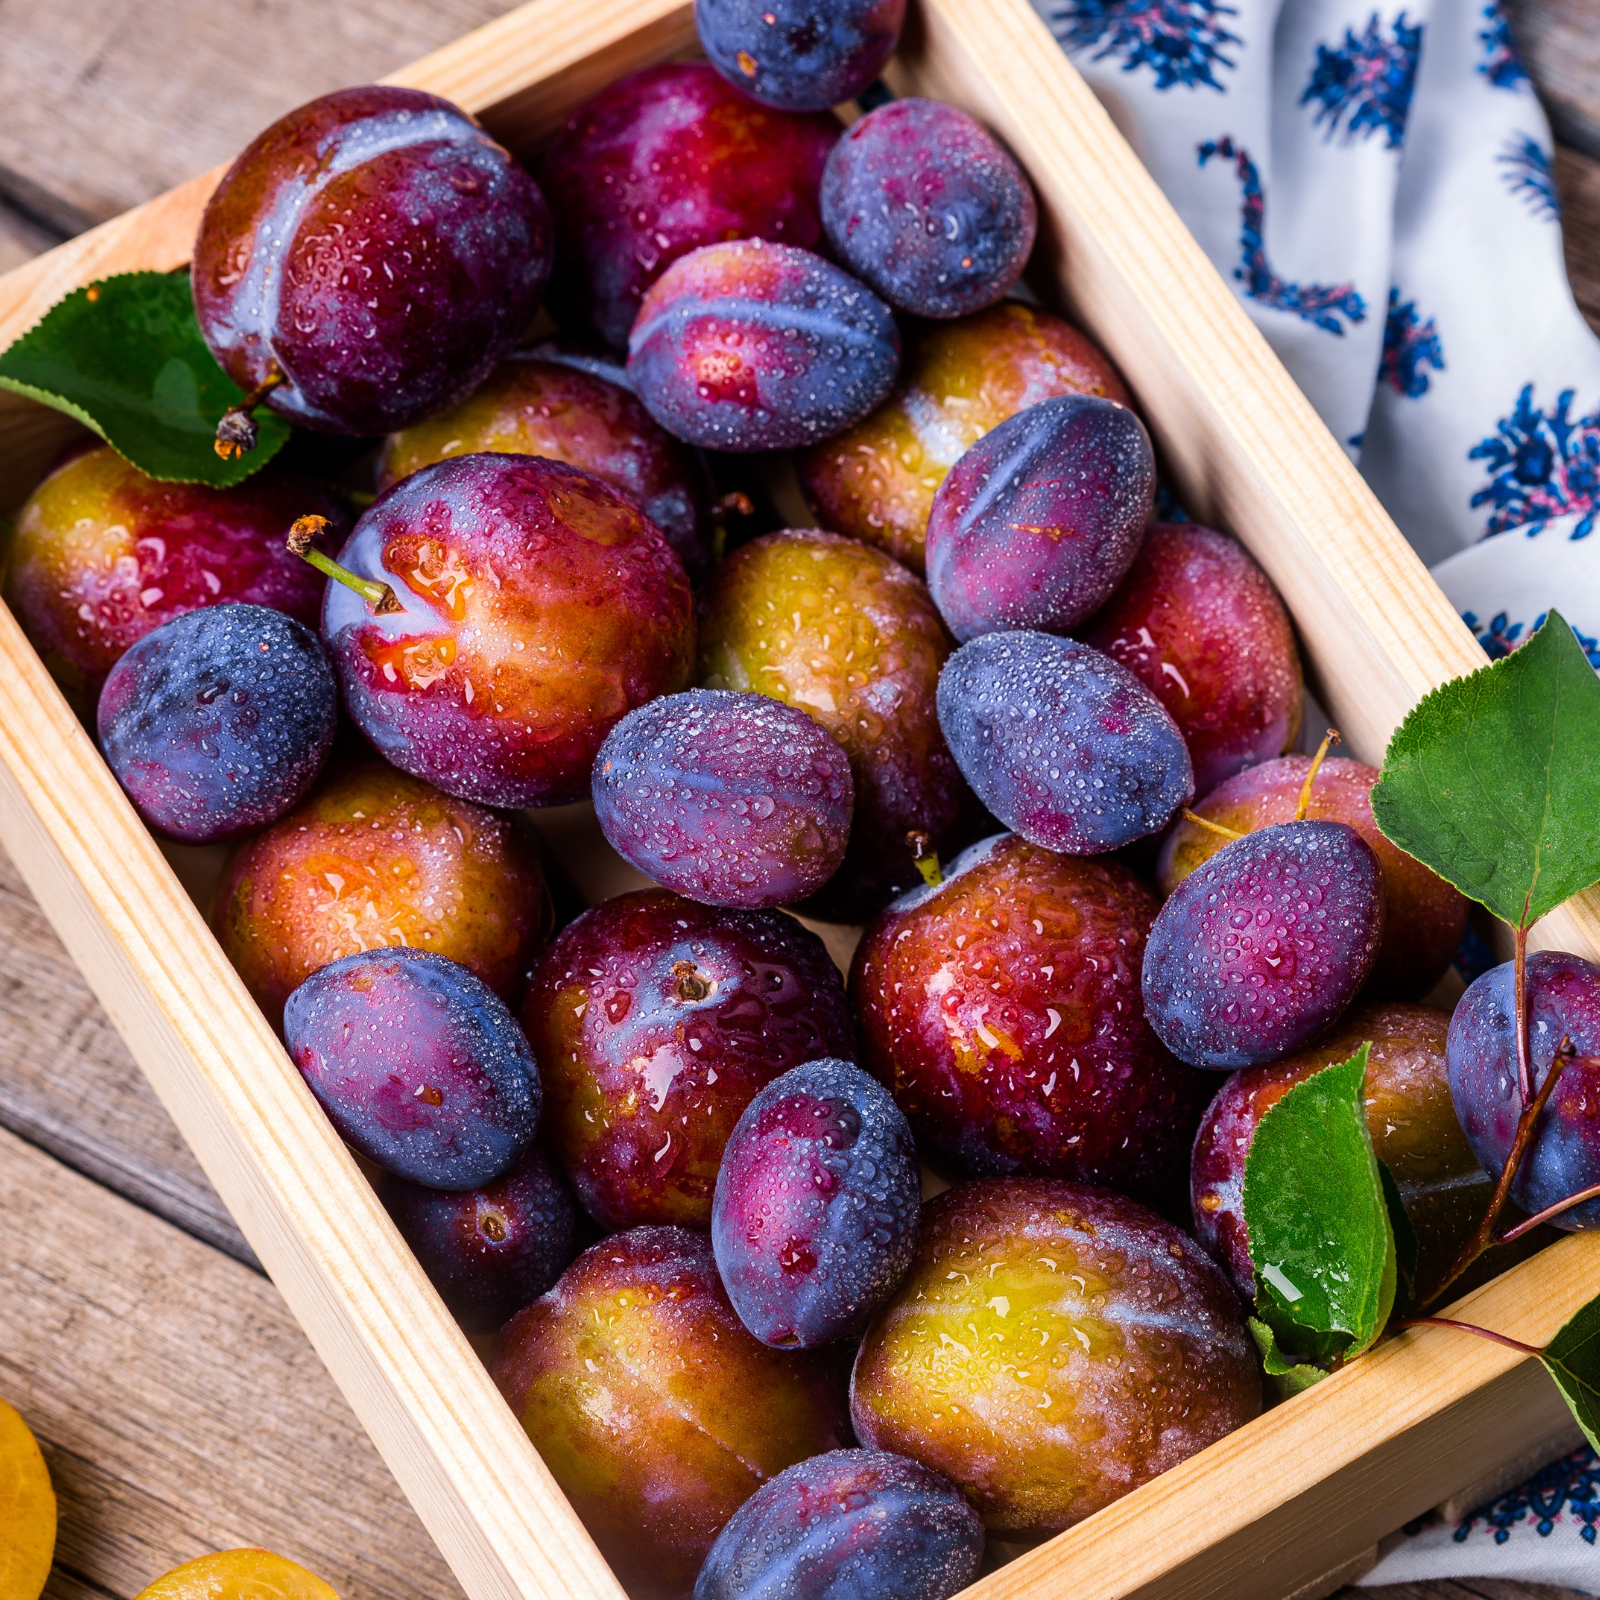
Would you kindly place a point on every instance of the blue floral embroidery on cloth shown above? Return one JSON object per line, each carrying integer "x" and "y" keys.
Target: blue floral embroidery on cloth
{"x": 1365, "y": 84}
{"x": 1571, "y": 1484}
{"x": 1501, "y": 64}
{"x": 1181, "y": 41}
{"x": 1502, "y": 636}
{"x": 1409, "y": 346}
{"x": 1322, "y": 304}
{"x": 1528, "y": 175}
{"x": 1542, "y": 464}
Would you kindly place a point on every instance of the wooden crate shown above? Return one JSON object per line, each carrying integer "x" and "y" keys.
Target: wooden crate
{"x": 1296, "y": 1494}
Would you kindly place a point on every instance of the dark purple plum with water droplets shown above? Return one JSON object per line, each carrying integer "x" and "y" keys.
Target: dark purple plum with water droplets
{"x": 731, "y": 799}
{"x": 217, "y": 722}
{"x": 1037, "y": 524}
{"x": 757, "y": 346}
{"x": 1264, "y": 945}
{"x": 1481, "y": 1059}
{"x": 418, "y": 1064}
{"x": 799, "y": 55}
{"x": 848, "y": 1525}
{"x": 1064, "y": 745}
{"x": 923, "y": 203}
{"x": 815, "y": 1215}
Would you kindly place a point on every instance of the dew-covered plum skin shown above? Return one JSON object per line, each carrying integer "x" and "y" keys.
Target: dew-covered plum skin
{"x": 374, "y": 858}
{"x": 538, "y": 606}
{"x": 658, "y": 1414}
{"x": 1200, "y": 625}
{"x": 1563, "y": 993}
{"x": 758, "y": 346}
{"x": 850, "y": 637}
{"x": 799, "y": 55}
{"x": 418, "y": 1064}
{"x": 489, "y": 1251}
{"x": 849, "y": 1525}
{"x": 1002, "y": 1009}
{"x": 662, "y": 162}
{"x": 655, "y": 1021}
{"x": 534, "y": 407}
{"x": 102, "y": 554}
{"x": 876, "y": 481}
{"x": 1413, "y": 1124}
{"x": 217, "y": 722}
{"x": 923, "y": 203}
{"x": 1424, "y": 917}
{"x": 730, "y": 799}
{"x": 1053, "y": 1347}
{"x": 1061, "y": 743}
{"x": 1039, "y": 521}
{"x": 1264, "y": 945}
{"x": 815, "y": 1214}
{"x": 375, "y": 252}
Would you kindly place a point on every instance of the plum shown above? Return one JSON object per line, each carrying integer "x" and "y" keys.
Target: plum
{"x": 488, "y": 1251}
{"x": 849, "y": 1525}
{"x": 1061, "y": 743}
{"x": 1424, "y": 916}
{"x": 1002, "y": 1008}
{"x": 102, "y": 554}
{"x": 849, "y": 636}
{"x": 375, "y": 858}
{"x": 1052, "y": 1347}
{"x": 921, "y": 201}
{"x": 876, "y": 481}
{"x": 815, "y": 1213}
{"x": 655, "y": 1021}
{"x": 1039, "y": 521}
{"x": 730, "y": 799}
{"x": 655, "y": 1410}
{"x": 217, "y": 722}
{"x": 757, "y": 346}
{"x": 371, "y": 256}
{"x": 1264, "y": 945}
{"x": 799, "y": 55}
{"x": 537, "y": 407}
{"x": 1200, "y": 625}
{"x": 1409, "y": 1114}
{"x": 661, "y": 162}
{"x": 418, "y": 1064}
{"x": 238, "y": 1575}
{"x": 534, "y": 606}
{"x": 1563, "y": 994}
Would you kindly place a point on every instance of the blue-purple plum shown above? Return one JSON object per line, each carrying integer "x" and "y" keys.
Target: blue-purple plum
{"x": 217, "y": 722}
{"x": 848, "y": 1525}
{"x": 1064, "y": 745}
{"x": 1037, "y": 524}
{"x": 731, "y": 799}
{"x": 1264, "y": 945}
{"x": 814, "y": 1219}
{"x": 799, "y": 55}
{"x": 418, "y": 1064}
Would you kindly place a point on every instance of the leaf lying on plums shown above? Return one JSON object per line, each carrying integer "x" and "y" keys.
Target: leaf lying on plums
{"x": 1320, "y": 1237}
{"x": 1572, "y": 1358}
{"x": 1490, "y": 779}
{"x": 125, "y": 357}
{"x": 1407, "y": 1247}
{"x": 1288, "y": 1377}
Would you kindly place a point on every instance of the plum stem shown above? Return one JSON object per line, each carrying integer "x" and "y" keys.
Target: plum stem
{"x": 1561, "y": 1205}
{"x": 691, "y": 984}
{"x": 925, "y": 857}
{"x": 379, "y": 596}
{"x": 1205, "y": 822}
{"x": 237, "y": 432}
{"x": 1331, "y": 737}
{"x": 1473, "y": 1328}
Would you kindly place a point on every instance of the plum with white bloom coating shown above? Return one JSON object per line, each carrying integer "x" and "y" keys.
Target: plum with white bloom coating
{"x": 1061, "y": 743}
{"x": 799, "y": 55}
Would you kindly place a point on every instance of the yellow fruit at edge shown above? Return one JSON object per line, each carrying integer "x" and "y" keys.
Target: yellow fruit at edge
{"x": 28, "y": 1528}
{"x": 239, "y": 1575}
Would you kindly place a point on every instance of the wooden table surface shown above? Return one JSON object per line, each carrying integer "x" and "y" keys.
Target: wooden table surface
{"x": 178, "y": 1405}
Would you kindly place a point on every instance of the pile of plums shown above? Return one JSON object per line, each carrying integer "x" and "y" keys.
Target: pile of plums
{"x": 973, "y": 709}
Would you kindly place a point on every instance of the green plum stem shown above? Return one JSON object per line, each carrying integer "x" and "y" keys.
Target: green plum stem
{"x": 926, "y": 858}
{"x": 1331, "y": 737}
{"x": 379, "y": 596}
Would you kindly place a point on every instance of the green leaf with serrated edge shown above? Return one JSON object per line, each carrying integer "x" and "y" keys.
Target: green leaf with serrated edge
{"x": 1406, "y": 1244}
{"x": 1572, "y": 1358}
{"x": 1288, "y": 1377}
{"x": 1320, "y": 1238}
{"x": 131, "y": 364}
{"x": 1491, "y": 779}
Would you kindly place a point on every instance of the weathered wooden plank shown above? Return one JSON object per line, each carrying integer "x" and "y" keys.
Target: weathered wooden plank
{"x": 22, "y": 238}
{"x": 1559, "y": 41}
{"x": 1578, "y": 183}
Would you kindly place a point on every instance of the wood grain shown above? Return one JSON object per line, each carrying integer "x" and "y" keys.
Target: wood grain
{"x": 1559, "y": 42}
{"x": 1578, "y": 184}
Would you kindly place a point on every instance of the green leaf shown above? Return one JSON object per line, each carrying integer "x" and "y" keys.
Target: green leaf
{"x": 125, "y": 357}
{"x": 1407, "y": 1246}
{"x": 1320, "y": 1237}
{"x": 1491, "y": 781}
{"x": 1573, "y": 1360}
{"x": 1288, "y": 1377}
